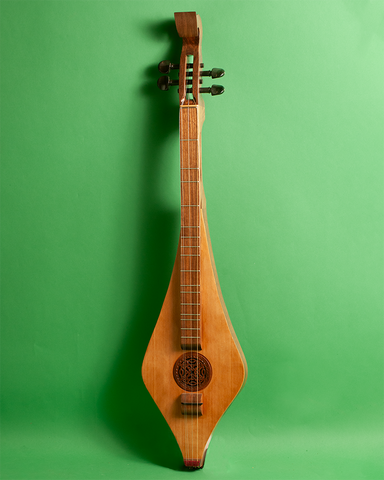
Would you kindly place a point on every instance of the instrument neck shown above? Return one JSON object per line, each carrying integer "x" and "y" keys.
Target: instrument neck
{"x": 190, "y": 235}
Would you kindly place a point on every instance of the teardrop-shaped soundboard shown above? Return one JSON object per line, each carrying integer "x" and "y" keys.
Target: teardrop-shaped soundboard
{"x": 194, "y": 366}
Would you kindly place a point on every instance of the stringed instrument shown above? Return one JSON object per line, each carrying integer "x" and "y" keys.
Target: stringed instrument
{"x": 194, "y": 366}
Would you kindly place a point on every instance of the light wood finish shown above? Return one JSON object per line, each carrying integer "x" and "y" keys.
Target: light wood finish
{"x": 220, "y": 347}
{"x": 216, "y": 341}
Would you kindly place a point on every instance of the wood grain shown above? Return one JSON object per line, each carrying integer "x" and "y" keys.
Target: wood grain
{"x": 220, "y": 347}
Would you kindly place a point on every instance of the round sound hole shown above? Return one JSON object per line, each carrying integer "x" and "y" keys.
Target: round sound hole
{"x": 192, "y": 371}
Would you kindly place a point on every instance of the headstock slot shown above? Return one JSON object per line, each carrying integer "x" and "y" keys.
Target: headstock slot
{"x": 191, "y": 73}
{"x": 189, "y": 28}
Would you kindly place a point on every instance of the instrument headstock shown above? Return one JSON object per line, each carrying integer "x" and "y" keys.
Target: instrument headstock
{"x": 189, "y": 28}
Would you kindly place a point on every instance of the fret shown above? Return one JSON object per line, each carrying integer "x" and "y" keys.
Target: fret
{"x": 192, "y": 232}
{"x": 189, "y": 165}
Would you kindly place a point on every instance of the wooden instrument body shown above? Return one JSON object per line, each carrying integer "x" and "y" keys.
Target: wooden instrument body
{"x": 216, "y": 340}
{"x": 220, "y": 346}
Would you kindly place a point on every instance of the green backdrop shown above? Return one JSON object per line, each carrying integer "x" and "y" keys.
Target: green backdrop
{"x": 292, "y": 161}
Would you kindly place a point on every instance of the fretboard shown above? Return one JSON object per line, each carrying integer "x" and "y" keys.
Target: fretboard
{"x": 190, "y": 176}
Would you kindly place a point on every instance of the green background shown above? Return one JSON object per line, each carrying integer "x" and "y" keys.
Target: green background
{"x": 292, "y": 161}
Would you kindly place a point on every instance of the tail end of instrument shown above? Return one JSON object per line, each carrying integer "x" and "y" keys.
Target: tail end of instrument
{"x": 189, "y": 463}
{"x": 194, "y": 464}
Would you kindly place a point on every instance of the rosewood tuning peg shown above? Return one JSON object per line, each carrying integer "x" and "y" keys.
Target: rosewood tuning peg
{"x": 214, "y": 90}
{"x": 166, "y": 66}
{"x": 165, "y": 82}
{"x": 214, "y": 73}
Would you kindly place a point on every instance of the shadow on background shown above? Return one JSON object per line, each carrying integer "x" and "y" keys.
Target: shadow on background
{"x": 126, "y": 406}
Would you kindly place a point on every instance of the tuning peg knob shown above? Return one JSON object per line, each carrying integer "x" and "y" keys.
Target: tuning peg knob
{"x": 214, "y": 73}
{"x": 165, "y": 82}
{"x": 166, "y": 66}
{"x": 214, "y": 90}
{"x": 217, "y": 72}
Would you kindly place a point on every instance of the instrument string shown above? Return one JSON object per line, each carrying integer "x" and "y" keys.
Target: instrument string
{"x": 188, "y": 223}
{"x": 190, "y": 217}
{"x": 198, "y": 301}
{"x": 191, "y": 264}
{"x": 185, "y": 201}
